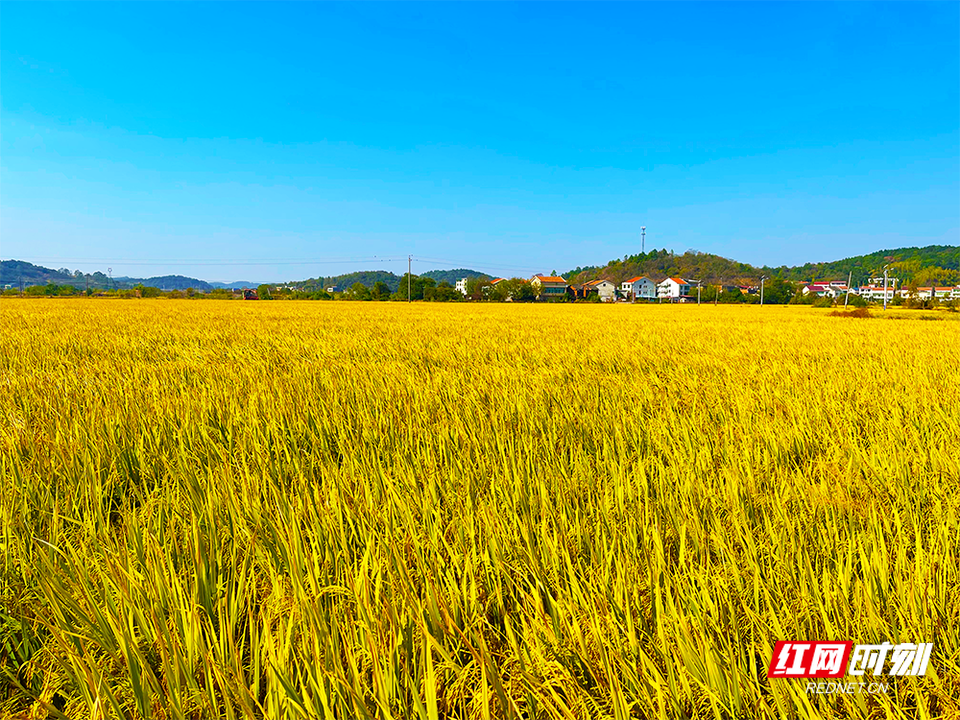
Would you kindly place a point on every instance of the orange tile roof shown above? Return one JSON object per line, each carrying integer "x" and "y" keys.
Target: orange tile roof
{"x": 633, "y": 280}
{"x": 548, "y": 279}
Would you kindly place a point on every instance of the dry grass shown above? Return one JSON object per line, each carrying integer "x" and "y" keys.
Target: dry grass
{"x": 339, "y": 510}
{"x": 860, "y": 313}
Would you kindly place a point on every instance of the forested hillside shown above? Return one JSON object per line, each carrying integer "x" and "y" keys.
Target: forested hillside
{"x": 452, "y": 276}
{"x": 939, "y": 264}
{"x": 368, "y": 278}
{"x": 658, "y": 264}
{"x": 15, "y": 272}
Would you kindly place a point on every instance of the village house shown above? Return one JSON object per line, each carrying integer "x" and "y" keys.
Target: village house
{"x": 875, "y": 292}
{"x": 461, "y": 285}
{"x": 642, "y": 288}
{"x": 831, "y": 290}
{"x": 604, "y": 288}
{"x": 547, "y": 286}
{"x": 673, "y": 289}
{"x": 939, "y": 293}
{"x": 493, "y": 284}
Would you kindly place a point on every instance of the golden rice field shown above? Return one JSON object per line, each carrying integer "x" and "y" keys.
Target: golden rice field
{"x": 377, "y": 510}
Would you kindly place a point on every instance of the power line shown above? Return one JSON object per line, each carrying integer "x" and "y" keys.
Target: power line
{"x": 217, "y": 263}
{"x": 470, "y": 263}
{"x": 213, "y": 262}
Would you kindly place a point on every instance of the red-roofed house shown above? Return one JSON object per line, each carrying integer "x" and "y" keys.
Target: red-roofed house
{"x": 547, "y": 286}
{"x": 832, "y": 289}
{"x": 940, "y": 293}
{"x": 639, "y": 287}
{"x": 673, "y": 288}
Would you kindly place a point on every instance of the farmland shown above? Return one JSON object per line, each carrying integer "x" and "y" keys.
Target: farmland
{"x": 298, "y": 510}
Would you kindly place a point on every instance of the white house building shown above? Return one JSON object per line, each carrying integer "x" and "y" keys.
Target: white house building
{"x": 831, "y": 290}
{"x": 673, "y": 288}
{"x": 875, "y": 292}
{"x": 462, "y": 285}
{"x": 642, "y": 288}
{"x": 939, "y": 293}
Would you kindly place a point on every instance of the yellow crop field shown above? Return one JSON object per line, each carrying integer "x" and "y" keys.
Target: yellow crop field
{"x": 217, "y": 509}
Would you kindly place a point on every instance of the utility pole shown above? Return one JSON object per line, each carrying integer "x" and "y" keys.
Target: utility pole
{"x": 409, "y": 263}
{"x": 885, "y": 269}
{"x": 643, "y": 240}
{"x": 762, "y": 278}
{"x": 716, "y": 298}
{"x": 110, "y": 275}
{"x": 846, "y": 298}
{"x": 699, "y": 285}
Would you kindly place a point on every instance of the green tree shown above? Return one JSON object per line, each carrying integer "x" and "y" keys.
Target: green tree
{"x": 381, "y": 291}
{"x": 418, "y": 285}
{"x": 444, "y": 292}
{"x": 478, "y": 288}
{"x": 142, "y": 291}
{"x": 359, "y": 291}
{"x": 519, "y": 290}
{"x": 776, "y": 291}
{"x": 263, "y": 292}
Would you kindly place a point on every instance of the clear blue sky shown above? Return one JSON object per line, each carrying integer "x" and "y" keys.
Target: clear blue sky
{"x": 230, "y": 141}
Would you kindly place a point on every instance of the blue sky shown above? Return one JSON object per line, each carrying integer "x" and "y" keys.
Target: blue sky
{"x": 229, "y": 141}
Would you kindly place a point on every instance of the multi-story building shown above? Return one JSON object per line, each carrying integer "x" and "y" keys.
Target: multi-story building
{"x": 641, "y": 288}
{"x": 673, "y": 288}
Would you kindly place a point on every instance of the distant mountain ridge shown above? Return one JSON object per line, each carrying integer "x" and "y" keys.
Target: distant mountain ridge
{"x": 933, "y": 264}
{"x": 236, "y": 285}
{"x": 13, "y": 272}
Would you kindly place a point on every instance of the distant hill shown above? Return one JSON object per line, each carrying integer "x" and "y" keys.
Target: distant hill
{"x": 452, "y": 276}
{"x": 365, "y": 277}
{"x": 168, "y": 282}
{"x": 658, "y": 264}
{"x": 12, "y": 272}
{"x": 935, "y": 263}
{"x": 371, "y": 277}
{"x": 235, "y": 285}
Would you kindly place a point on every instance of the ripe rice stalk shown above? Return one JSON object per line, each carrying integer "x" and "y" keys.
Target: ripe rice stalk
{"x": 351, "y": 510}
